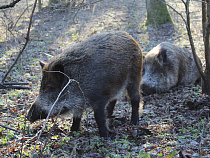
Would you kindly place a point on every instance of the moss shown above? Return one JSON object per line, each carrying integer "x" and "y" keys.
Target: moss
{"x": 157, "y": 13}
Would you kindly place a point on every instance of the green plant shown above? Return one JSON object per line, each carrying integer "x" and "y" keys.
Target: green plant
{"x": 172, "y": 154}
{"x": 75, "y": 36}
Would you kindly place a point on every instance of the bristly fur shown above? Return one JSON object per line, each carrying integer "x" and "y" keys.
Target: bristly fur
{"x": 167, "y": 66}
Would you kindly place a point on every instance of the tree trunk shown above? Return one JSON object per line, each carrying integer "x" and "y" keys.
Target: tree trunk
{"x": 206, "y": 83}
{"x": 206, "y": 32}
{"x": 40, "y": 5}
{"x": 157, "y": 12}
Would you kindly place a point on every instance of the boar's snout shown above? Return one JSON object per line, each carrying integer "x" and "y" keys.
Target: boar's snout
{"x": 35, "y": 113}
{"x": 147, "y": 90}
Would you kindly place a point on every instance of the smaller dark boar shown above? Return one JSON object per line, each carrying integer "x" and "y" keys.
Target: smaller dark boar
{"x": 104, "y": 65}
{"x": 167, "y": 66}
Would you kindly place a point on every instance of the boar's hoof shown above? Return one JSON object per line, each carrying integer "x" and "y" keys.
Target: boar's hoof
{"x": 76, "y": 124}
{"x": 30, "y": 119}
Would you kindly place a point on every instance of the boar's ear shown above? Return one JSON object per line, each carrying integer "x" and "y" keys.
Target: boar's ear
{"x": 42, "y": 64}
{"x": 58, "y": 67}
{"x": 59, "y": 76}
{"x": 162, "y": 56}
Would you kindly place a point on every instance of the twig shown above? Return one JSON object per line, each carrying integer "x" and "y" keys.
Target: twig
{"x": 51, "y": 129}
{"x": 7, "y": 124}
{"x": 27, "y": 39}
{"x": 10, "y": 128}
{"x": 22, "y": 141}
{"x": 8, "y": 85}
{"x": 191, "y": 41}
{"x": 58, "y": 97}
{"x": 12, "y": 87}
{"x": 78, "y": 9}
{"x": 175, "y": 11}
{"x": 70, "y": 80}
{"x": 15, "y": 83}
{"x": 11, "y": 5}
{"x": 74, "y": 149}
{"x": 2, "y": 86}
{"x": 21, "y": 16}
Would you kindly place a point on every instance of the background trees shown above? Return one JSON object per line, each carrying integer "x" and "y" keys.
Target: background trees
{"x": 157, "y": 12}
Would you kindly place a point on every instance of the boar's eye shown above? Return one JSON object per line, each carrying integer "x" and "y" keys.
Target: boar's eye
{"x": 162, "y": 56}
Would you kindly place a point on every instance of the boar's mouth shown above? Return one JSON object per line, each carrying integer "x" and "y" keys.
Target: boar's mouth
{"x": 34, "y": 117}
{"x": 35, "y": 114}
{"x": 147, "y": 90}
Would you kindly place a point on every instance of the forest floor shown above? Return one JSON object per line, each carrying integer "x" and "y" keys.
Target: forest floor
{"x": 172, "y": 124}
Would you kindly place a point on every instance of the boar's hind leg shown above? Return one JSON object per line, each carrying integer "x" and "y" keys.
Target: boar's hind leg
{"x": 110, "y": 108}
{"x": 133, "y": 92}
{"x": 76, "y": 124}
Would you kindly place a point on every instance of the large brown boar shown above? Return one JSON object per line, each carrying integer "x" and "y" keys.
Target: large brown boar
{"x": 104, "y": 65}
{"x": 167, "y": 66}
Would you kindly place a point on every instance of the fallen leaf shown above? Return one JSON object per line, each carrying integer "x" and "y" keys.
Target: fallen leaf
{"x": 202, "y": 152}
{"x": 11, "y": 149}
{"x": 56, "y": 146}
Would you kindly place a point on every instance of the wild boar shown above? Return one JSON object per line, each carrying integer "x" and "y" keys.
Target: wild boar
{"x": 104, "y": 65}
{"x": 167, "y": 66}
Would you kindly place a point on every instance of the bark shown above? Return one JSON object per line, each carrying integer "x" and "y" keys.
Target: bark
{"x": 206, "y": 32}
{"x": 39, "y": 4}
{"x": 204, "y": 17}
{"x": 206, "y": 37}
{"x": 157, "y": 12}
{"x": 206, "y": 83}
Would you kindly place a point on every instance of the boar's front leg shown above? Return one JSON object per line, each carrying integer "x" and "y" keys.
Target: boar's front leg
{"x": 133, "y": 93}
{"x": 76, "y": 124}
{"x": 101, "y": 121}
{"x": 100, "y": 117}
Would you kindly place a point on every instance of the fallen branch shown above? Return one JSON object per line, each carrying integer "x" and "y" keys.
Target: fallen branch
{"x": 10, "y": 128}
{"x": 9, "y": 86}
{"x": 13, "y": 87}
{"x": 15, "y": 83}
{"x": 11, "y": 5}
